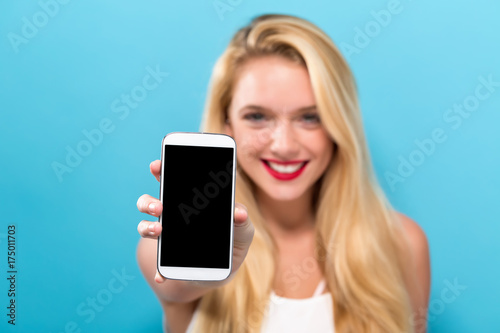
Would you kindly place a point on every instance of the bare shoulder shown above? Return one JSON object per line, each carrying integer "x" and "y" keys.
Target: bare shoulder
{"x": 419, "y": 274}
{"x": 416, "y": 235}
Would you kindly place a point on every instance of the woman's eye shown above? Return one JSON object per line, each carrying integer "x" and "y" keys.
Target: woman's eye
{"x": 311, "y": 118}
{"x": 256, "y": 116}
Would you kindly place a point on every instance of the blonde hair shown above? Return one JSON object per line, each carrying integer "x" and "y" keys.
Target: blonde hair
{"x": 358, "y": 236}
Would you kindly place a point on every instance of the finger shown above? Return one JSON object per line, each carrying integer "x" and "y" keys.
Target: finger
{"x": 240, "y": 213}
{"x": 149, "y": 205}
{"x": 148, "y": 229}
{"x": 159, "y": 278}
{"x": 155, "y": 168}
{"x": 243, "y": 228}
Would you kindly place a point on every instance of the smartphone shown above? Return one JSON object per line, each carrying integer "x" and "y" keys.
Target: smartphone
{"x": 198, "y": 172}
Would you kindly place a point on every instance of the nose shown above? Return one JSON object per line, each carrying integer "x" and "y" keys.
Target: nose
{"x": 284, "y": 143}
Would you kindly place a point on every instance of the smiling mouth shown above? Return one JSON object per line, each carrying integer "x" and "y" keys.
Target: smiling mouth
{"x": 284, "y": 170}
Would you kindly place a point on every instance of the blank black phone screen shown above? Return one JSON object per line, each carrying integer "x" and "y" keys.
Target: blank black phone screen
{"x": 197, "y": 202}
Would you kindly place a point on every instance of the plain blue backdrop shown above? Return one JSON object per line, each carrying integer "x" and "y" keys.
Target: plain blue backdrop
{"x": 65, "y": 66}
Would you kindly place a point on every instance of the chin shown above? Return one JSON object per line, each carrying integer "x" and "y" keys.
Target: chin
{"x": 282, "y": 193}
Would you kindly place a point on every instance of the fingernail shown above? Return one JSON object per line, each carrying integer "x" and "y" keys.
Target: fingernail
{"x": 236, "y": 210}
{"x": 152, "y": 207}
{"x": 151, "y": 227}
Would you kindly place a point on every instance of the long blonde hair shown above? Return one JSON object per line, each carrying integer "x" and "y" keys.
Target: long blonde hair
{"x": 359, "y": 241}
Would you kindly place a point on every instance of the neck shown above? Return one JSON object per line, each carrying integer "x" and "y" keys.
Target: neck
{"x": 287, "y": 218}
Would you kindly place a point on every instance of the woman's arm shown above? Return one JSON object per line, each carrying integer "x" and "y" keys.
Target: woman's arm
{"x": 178, "y": 314}
{"x": 419, "y": 272}
{"x": 172, "y": 291}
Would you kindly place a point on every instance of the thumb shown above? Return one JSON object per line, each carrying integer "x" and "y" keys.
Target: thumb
{"x": 243, "y": 227}
{"x": 240, "y": 214}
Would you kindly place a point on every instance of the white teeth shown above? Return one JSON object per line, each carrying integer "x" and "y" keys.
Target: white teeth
{"x": 290, "y": 168}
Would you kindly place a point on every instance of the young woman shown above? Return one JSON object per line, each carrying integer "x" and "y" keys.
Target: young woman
{"x": 317, "y": 246}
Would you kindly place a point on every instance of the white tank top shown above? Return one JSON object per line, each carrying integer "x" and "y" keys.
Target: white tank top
{"x": 313, "y": 314}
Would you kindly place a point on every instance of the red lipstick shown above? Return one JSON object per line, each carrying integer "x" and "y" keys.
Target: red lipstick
{"x": 284, "y": 176}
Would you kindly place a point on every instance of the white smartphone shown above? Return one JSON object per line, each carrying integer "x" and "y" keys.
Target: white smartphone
{"x": 198, "y": 172}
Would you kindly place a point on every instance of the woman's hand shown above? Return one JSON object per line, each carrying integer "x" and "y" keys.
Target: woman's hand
{"x": 243, "y": 228}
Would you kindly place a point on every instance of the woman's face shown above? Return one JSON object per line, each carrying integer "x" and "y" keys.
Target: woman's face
{"x": 281, "y": 143}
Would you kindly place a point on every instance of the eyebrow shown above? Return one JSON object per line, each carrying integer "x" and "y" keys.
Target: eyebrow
{"x": 261, "y": 108}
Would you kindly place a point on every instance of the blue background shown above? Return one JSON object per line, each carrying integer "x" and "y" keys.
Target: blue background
{"x": 74, "y": 232}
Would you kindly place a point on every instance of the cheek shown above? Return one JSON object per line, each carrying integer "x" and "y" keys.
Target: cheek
{"x": 322, "y": 147}
{"x": 250, "y": 143}
{"x": 327, "y": 152}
